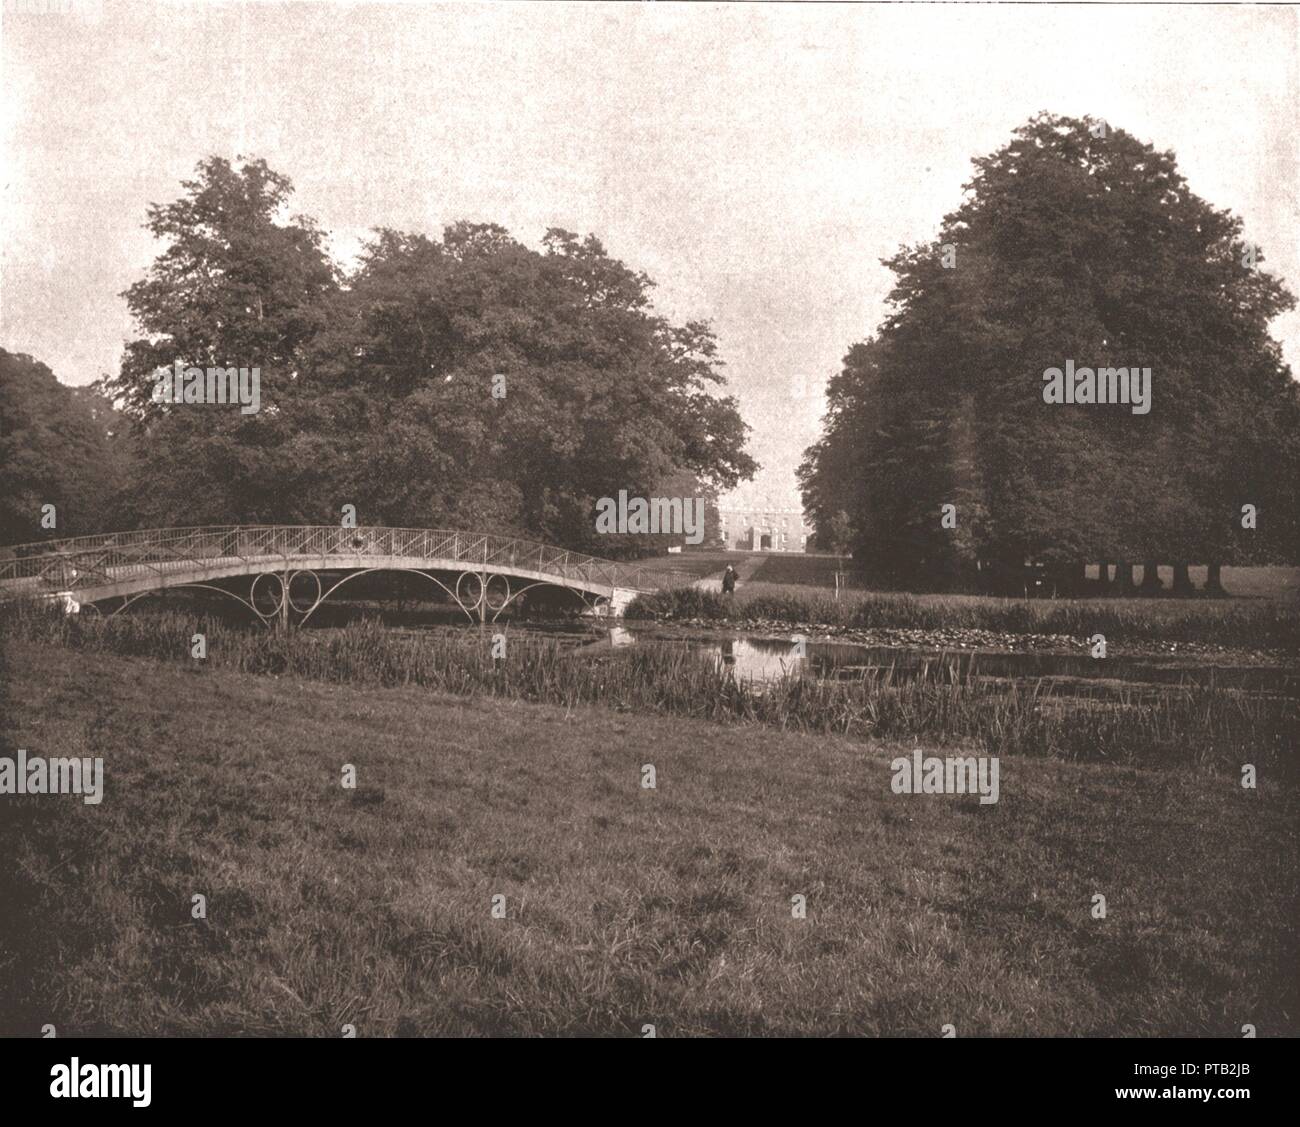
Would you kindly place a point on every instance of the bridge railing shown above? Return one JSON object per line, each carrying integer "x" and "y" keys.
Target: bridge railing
{"x": 88, "y": 561}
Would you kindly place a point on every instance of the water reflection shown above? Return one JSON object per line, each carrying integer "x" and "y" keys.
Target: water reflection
{"x": 620, "y": 636}
{"x": 759, "y": 659}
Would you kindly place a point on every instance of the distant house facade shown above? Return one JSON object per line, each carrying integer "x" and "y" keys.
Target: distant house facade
{"x": 763, "y": 529}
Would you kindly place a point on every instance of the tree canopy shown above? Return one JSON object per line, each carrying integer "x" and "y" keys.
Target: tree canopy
{"x": 59, "y": 446}
{"x": 467, "y": 381}
{"x": 1074, "y": 242}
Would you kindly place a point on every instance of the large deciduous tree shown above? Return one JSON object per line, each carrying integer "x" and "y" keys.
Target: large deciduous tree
{"x": 518, "y": 387}
{"x": 468, "y": 381}
{"x": 1075, "y": 242}
{"x": 240, "y": 283}
{"x": 59, "y": 446}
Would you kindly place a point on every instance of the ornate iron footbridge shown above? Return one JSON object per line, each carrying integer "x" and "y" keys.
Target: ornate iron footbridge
{"x": 291, "y": 570}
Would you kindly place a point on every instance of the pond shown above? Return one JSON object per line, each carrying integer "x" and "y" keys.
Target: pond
{"x": 763, "y": 659}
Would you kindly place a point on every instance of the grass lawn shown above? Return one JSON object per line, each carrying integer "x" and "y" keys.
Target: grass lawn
{"x": 703, "y": 563}
{"x": 624, "y": 906}
{"x": 777, "y": 568}
{"x": 800, "y": 570}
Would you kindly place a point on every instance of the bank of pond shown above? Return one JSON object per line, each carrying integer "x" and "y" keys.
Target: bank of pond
{"x": 1133, "y": 712}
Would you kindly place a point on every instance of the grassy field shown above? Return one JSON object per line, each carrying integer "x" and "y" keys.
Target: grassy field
{"x": 791, "y": 568}
{"x": 701, "y": 564}
{"x": 797, "y": 569}
{"x": 777, "y": 570}
{"x": 624, "y": 906}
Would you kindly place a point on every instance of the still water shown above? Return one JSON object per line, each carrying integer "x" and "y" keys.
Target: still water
{"x": 763, "y": 659}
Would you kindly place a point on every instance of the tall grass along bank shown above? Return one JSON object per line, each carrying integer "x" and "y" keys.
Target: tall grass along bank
{"x": 1189, "y": 725}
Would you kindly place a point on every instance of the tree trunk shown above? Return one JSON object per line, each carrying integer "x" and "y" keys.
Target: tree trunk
{"x": 1103, "y": 576}
{"x": 1182, "y": 581}
{"x": 1151, "y": 576}
{"x": 1065, "y": 580}
{"x": 1124, "y": 581}
{"x": 1214, "y": 580}
{"x": 1079, "y": 576}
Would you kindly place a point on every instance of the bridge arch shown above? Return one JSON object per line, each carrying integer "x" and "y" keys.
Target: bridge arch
{"x": 92, "y": 569}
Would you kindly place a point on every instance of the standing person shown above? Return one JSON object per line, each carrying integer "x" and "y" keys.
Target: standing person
{"x": 729, "y": 581}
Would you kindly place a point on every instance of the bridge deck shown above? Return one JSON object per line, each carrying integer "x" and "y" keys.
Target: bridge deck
{"x": 93, "y": 568}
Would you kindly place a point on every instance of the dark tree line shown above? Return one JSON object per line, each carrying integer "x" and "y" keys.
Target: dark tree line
{"x": 467, "y": 381}
{"x": 1074, "y": 241}
{"x": 59, "y": 446}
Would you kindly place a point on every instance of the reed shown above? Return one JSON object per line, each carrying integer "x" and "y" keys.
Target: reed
{"x": 1183, "y": 725}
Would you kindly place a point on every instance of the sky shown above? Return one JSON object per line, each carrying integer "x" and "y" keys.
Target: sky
{"x": 756, "y": 160}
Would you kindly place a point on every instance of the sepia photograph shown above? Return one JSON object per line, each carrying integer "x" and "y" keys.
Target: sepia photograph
{"x": 597, "y": 520}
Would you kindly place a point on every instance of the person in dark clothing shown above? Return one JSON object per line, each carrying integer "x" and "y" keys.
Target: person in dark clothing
{"x": 729, "y": 581}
